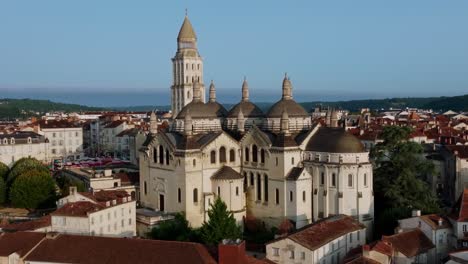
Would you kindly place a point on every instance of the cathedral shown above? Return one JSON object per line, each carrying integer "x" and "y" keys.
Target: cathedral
{"x": 272, "y": 165}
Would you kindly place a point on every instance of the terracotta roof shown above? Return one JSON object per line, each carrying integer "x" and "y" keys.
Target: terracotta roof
{"x": 362, "y": 260}
{"x": 226, "y": 173}
{"x": 90, "y": 250}
{"x": 29, "y": 225}
{"x": 115, "y": 124}
{"x": 381, "y": 247}
{"x": 103, "y": 196}
{"x": 433, "y": 221}
{"x": 410, "y": 243}
{"x": 19, "y": 242}
{"x": 322, "y": 232}
{"x": 57, "y": 124}
{"x": 460, "y": 210}
{"x": 78, "y": 209}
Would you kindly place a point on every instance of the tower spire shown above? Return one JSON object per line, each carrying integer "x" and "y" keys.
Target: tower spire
{"x": 212, "y": 92}
{"x": 245, "y": 90}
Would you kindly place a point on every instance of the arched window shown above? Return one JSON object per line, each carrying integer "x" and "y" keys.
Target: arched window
{"x": 213, "y": 157}
{"x": 161, "y": 154}
{"x": 252, "y": 181}
{"x": 194, "y": 162}
{"x": 179, "y": 195}
{"x": 237, "y": 190}
{"x": 155, "y": 155}
{"x": 292, "y": 160}
{"x": 262, "y": 156}
{"x": 245, "y": 180}
{"x": 188, "y": 94}
{"x": 265, "y": 184}
{"x": 322, "y": 178}
{"x": 277, "y": 199}
{"x": 167, "y": 157}
{"x": 254, "y": 153}
{"x": 146, "y": 188}
{"x": 350, "y": 180}
{"x": 291, "y": 198}
{"x": 222, "y": 155}
{"x": 195, "y": 195}
{"x": 333, "y": 180}
{"x": 232, "y": 155}
{"x": 219, "y": 191}
{"x": 303, "y": 196}
{"x": 276, "y": 161}
{"x": 259, "y": 187}
{"x": 247, "y": 154}
{"x": 365, "y": 179}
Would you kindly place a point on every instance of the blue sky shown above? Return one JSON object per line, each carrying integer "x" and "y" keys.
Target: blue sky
{"x": 331, "y": 49}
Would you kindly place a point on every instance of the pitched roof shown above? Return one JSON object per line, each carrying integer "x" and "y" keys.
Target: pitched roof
{"x": 28, "y": 225}
{"x": 433, "y": 221}
{"x": 226, "y": 173}
{"x": 90, "y": 250}
{"x": 78, "y": 209}
{"x": 410, "y": 243}
{"x": 460, "y": 151}
{"x": 322, "y": 232}
{"x": 460, "y": 210}
{"x": 19, "y": 242}
{"x": 294, "y": 173}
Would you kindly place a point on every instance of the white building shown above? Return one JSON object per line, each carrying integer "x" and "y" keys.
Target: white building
{"x": 66, "y": 138}
{"x": 103, "y": 213}
{"x": 327, "y": 241}
{"x": 23, "y": 145}
{"x": 271, "y": 166}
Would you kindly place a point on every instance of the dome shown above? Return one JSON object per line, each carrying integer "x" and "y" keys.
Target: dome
{"x": 249, "y": 109}
{"x": 294, "y": 109}
{"x": 334, "y": 140}
{"x": 199, "y": 110}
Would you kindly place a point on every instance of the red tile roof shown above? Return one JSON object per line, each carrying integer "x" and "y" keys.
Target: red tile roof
{"x": 90, "y": 250}
{"x": 19, "y": 242}
{"x": 460, "y": 210}
{"x": 410, "y": 243}
{"x": 381, "y": 247}
{"x": 29, "y": 225}
{"x": 320, "y": 233}
{"x": 78, "y": 209}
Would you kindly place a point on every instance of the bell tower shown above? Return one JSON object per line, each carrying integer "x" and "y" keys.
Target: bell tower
{"x": 187, "y": 69}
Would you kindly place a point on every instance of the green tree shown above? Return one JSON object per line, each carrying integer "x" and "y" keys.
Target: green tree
{"x": 177, "y": 229}
{"x": 4, "y": 170}
{"x": 24, "y": 165}
{"x": 221, "y": 225}
{"x": 33, "y": 189}
{"x": 3, "y": 191}
{"x": 399, "y": 171}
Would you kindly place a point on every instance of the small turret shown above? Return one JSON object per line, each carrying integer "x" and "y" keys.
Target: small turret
{"x": 212, "y": 92}
{"x": 196, "y": 91}
{"x": 245, "y": 90}
{"x": 334, "y": 118}
{"x": 188, "y": 128}
{"x": 287, "y": 88}
{"x": 284, "y": 125}
{"x": 153, "y": 123}
{"x": 240, "y": 122}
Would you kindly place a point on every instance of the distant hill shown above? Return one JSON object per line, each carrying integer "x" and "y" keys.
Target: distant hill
{"x": 21, "y": 108}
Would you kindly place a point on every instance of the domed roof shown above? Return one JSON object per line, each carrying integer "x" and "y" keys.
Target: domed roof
{"x": 294, "y": 109}
{"x": 186, "y": 32}
{"x": 249, "y": 109}
{"x": 199, "y": 110}
{"x": 334, "y": 140}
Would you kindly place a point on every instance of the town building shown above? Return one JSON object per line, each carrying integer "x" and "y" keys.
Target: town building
{"x": 19, "y": 144}
{"x": 272, "y": 165}
{"x": 66, "y": 138}
{"x": 326, "y": 241}
{"x": 102, "y": 213}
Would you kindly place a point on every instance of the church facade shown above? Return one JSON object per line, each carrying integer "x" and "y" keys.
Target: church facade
{"x": 272, "y": 166}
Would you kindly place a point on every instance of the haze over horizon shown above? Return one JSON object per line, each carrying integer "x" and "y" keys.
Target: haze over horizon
{"x": 93, "y": 52}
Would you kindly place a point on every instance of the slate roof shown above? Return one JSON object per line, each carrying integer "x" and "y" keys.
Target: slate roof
{"x": 226, "y": 173}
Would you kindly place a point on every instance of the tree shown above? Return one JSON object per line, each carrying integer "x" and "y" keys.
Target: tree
{"x": 33, "y": 189}
{"x": 24, "y": 165}
{"x": 399, "y": 170}
{"x": 4, "y": 170}
{"x": 3, "y": 191}
{"x": 177, "y": 229}
{"x": 221, "y": 225}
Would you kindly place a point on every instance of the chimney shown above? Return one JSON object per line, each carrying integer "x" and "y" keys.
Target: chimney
{"x": 231, "y": 252}
{"x": 416, "y": 213}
